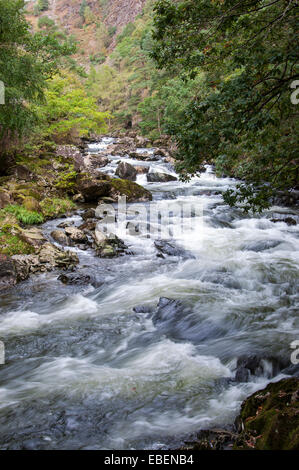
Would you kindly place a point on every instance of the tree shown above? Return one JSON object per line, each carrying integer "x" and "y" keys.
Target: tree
{"x": 241, "y": 117}
{"x": 68, "y": 113}
{"x": 27, "y": 61}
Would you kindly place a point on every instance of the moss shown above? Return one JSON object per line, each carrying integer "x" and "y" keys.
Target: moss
{"x": 11, "y": 244}
{"x": 53, "y": 207}
{"x": 271, "y": 418}
{"x": 131, "y": 190}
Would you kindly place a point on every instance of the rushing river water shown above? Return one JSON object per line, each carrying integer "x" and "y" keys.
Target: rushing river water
{"x": 85, "y": 371}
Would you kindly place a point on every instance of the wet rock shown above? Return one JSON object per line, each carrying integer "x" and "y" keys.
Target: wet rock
{"x": 212, "y": 439}
{"x": 66, "y": 224}
{"x": 269, "y": 419}
{"x": 170, "y": 249}
{"x": 143, "y": 309}
{"x": 286, "y": 220}
{"x": 76, "y": 235}
{"x": 248, "y": 366}
{"x": 78, "y": 198}
{"x": 157, "y": 177}
{"x": 91, "y": 188}
{"x": 60, "y": 237}
{"x": 97, "y": 161}
{"x": 167, "y": 309}
{"x": 8, "y": 275}
{"x": 89, "y": 214}
{"x": 133, "y": 191}
{"x": 50, "y": 257}
{"x": 88, "y": 226}
{"x": 141, "y": 170}
{"x": 25, "y": 265}
{"x": 126, "y": 171}
{"x": 74, "y": 279}
{"x": 261, "y": 245}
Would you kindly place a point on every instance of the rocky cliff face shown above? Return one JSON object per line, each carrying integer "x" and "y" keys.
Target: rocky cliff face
{"x": 84, "y": 19}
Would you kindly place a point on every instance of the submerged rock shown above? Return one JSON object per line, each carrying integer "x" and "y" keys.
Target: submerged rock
{"x": 260, "y": 245}
{"x": 269, "y": 419}
{"x": 74, "y": 279}
{"x": 170, "y": 249}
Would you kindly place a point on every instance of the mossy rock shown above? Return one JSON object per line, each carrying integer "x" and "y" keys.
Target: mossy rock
{"x": 270, "y": 418}
{"x": 133, "y": 191}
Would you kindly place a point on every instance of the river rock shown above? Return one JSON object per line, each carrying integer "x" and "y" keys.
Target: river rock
{"x": 253, "y": 365}
{"x": 133, "y": 191}
{"x": 70, "y": 152}
{"x": 168, "y": 248}
{"x": 141, "y": 170}
{"x": 8, "y": 275}
{"x": 76, "y": 235}
{"x": 211, "y": 439}
{"x": 51, "y": 257}
{"x": 92, "y": 188}
{"x": 269, "y": 419}
{"x": 97, "y": 160}
{"x": 157, "y": 177}
{"x": 260, "y": 245}
{"x": 286, "y": 220}
{"x": 60, "y": 237}
{"x": 126, "y": 171}
{"x": 74, "y": 279}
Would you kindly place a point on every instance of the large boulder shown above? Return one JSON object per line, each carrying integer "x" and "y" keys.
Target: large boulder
{"x": 269, "y": 419}
{"x": 126, "y": 171}
{"x": 133, "y": 191}
{"x": 157, "y": 177}
{"x": 92, "y": 188}
{"x": 8, "y": 275}
{"x": 96, "y": 161}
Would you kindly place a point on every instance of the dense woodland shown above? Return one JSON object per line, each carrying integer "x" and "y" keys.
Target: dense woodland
{"x": 216, "y": 75}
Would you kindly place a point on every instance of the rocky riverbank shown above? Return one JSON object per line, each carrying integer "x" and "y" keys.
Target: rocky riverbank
{"x": 52, "y": 185}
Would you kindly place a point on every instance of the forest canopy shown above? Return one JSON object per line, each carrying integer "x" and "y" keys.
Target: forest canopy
{"x": 241, "y": 117}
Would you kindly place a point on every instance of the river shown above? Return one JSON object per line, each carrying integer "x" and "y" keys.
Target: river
{"x": 85, "y": 371}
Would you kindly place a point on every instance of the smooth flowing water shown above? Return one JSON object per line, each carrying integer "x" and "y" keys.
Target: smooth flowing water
{"x": 85, "y": 371}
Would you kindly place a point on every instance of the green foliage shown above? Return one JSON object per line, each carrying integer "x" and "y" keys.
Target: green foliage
{"x": 240, "y": 116}
{"x": 69, "y": 113}
{"x": 67, "y": 179}
{"x": 23, "y": 215}
{"x": 45, "y": 21}
{"x": 11, "y": 244}
{"x": 43, "y": 5}
{"x": 53, "y": 207}
{"x": 27, "y": 61}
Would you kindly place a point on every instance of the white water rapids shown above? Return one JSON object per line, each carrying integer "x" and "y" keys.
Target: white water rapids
{"x": 84, "y": 371}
